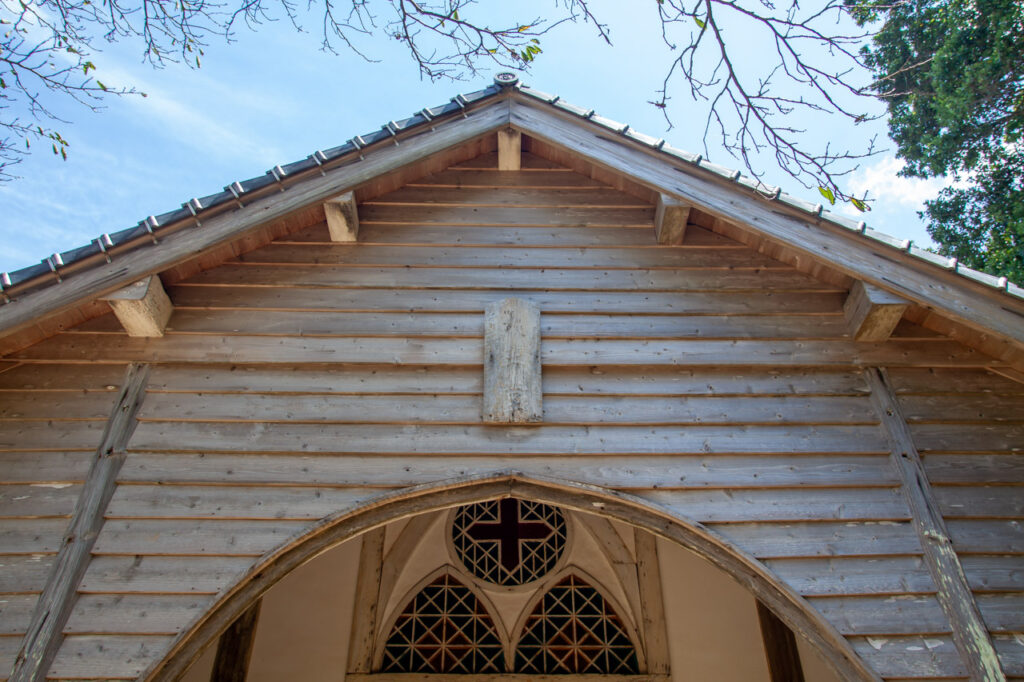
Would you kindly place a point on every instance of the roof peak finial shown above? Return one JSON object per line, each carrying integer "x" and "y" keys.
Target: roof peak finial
{"x": 506, "y": 79}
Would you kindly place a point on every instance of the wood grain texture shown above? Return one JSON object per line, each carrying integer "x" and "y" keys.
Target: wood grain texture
{"x": 143, "y": 308}
{"x": 872, "y": 313}
{"x": 342, "y": 218}
{"x": 954, "y": 594}
{"x": 779, "y": 647}
{"x": 670, "y": 218}
{"x": 363, "y": 631}
{"x": 512, "y": 364}
{"x": 234, "y": 649}
{"x": 44, "y": 636}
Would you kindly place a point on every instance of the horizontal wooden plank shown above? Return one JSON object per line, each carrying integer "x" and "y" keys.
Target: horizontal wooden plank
{"x": 27, "y": 501}
{"x": 465, "y": 409}
{"x": 639, "y": 380}
{"x": 155, "y": 574}
{"x": 9, "y": 647}
{"x": 488, "y": 161}
{"x": 107, "y": 657}
{"x": 989, "y": 536}
{"x": 377, "y": 233}
{"x": 855, "y": 575}
{"x": 532, "y": 258}
{"x": 95, "y": 379}
{"x": 910, "y": 656}
{"x": 180, "y": 537}
{"x": 24, "y": 573}
{"x": 636, "y": 473}
{"x": 56, "y": 468}
{"x": 884, "y": 615}
{"x": 419, "y": 351}
{"x": 937, "y": 381}
{"x": 781, "y": 504}
{"x": 1002, "y": 612}
{"x": 963, "y": 408}
{"x": 15, "y": 613}
{"x": 505, "y": 215}
{"x": 968, "y": 437}
{"x": 28, "y": 436}
{"x": 980, "y": 501}
{"x": 981, "y": 468}
{"x": 15, "y": 405}
{"x": 996, "y": 573}
{"x": 135, "y": 614}
{"x": 1011, "y": 654}
{"x": 32, "y": 536}
{"x": 236, "y": 502}
{"x": 542, "y": 287}
{"x": 563, "y": 440}
{"x": 505, "y": 196}
{"x": 853, "y": 538}
{"x": 553, "y": 325}
{"x": 524, "y": 178}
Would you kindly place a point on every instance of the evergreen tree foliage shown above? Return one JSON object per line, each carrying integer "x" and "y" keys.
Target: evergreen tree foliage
{"x": 952, "y": 74}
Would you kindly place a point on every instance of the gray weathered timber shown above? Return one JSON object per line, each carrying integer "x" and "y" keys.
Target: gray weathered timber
{"x": 229, "y": 225}
{"x": 977, "y": 306}
{"x": 44, "y": 635}
{"x": 342, "y": 218}
{"x": 779, "y": 647}
{"x": 511, "y": 196}
{"x": 234, "y": 649}
{"x": 84, "y": 348}
{"x": 872, "y": 313}
{"x": 496, "y": 216}
{"x": 511, "y": 359}
{"x": 670, "y": 216}
{"x": 969, "y": 631}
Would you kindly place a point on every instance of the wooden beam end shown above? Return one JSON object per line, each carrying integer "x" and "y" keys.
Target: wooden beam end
{"x": 142, "y": 308}
{"x": 670, "y": 218}
{"x": 872, "y": 313}
{"x": 342, "y": 217}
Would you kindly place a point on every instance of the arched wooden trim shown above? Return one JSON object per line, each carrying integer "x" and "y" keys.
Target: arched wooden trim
{"x": 553, "y": 580}
{"x": 391, "y": 618}
{"x": 793, "y": 609}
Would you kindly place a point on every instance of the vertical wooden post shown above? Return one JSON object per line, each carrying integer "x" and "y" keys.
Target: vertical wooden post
{"x": 652, "y": 603}
{"x": 510, "y": 144}
{"x": 234, "y": 650}
{"x": 779, "y": 647}
{"x": 45, "y": 630}
{"x": 954, "y": 593}
{"x": 363, "y": 633}
{"x": 512, "y": 370}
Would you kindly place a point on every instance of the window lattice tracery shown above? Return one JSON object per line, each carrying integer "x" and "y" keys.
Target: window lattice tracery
{"x": 574, "y": 630}
{"x": 444, "y": 629}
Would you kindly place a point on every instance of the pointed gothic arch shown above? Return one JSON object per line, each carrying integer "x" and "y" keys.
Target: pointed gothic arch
{"x": 346, "y": 524}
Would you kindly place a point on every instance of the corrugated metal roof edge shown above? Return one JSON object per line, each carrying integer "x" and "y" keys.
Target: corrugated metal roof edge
{"x": 51, "y": 266}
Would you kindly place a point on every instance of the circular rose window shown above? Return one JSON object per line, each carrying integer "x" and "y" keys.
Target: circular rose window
{"x": 510, "y": 541}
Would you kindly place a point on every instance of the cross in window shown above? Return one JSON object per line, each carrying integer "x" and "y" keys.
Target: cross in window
{"x": 509, "y": 531}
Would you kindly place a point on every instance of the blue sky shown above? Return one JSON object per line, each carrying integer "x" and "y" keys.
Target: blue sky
{"x": 273, "y": 96}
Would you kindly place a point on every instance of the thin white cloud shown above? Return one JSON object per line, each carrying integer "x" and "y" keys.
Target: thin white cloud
{"x": 884, "y": 186}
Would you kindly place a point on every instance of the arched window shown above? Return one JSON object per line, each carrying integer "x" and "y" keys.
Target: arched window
{"x": 573, "y": 630}
{"x": 444, "y": 629}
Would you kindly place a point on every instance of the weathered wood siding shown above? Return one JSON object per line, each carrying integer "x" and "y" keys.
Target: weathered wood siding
{"x": 306, "y": 376}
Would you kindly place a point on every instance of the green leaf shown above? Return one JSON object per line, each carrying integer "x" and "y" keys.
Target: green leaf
{"x": 699, "y": 21}
{"x": 455, "y": 14}
{"x": 859, "y": 205}
{"x": 102, "y": 86}
{"x": 828, "y": 194}
{"x": 524, "y": 29}
{"x": 64, "y": 153}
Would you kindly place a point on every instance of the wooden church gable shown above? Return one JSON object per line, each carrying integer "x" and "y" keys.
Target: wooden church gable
{"x": 749, "y": 384}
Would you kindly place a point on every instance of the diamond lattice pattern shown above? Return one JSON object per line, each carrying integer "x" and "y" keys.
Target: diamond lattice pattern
{"x": 444, "y": 629}
{"x": 572, "y": 630}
